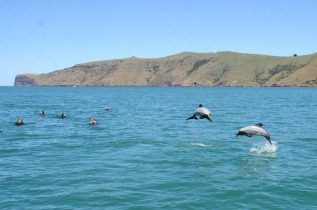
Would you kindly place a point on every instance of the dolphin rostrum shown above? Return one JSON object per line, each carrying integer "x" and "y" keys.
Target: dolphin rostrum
{"x": 257, "y": 130}
{"x": 202, "y": 112}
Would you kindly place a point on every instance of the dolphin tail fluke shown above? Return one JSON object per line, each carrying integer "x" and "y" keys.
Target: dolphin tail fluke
{"x": 192, "y": 117}
{"x": 269, "y": 140}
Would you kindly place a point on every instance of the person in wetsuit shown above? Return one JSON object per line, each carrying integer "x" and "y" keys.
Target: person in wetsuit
{"x": 92, "y": 121}
{"x": 63, "y": 116}
{"x": 42, "y": 113}
{"x": 19, "y": 122}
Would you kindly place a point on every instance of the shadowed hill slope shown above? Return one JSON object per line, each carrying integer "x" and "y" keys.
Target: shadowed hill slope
{"x": 185, "y": 69}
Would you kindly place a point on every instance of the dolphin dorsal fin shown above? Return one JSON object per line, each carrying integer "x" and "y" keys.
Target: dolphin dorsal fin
{"x": 200, "y": 105}
{"x": 259, "y": 125}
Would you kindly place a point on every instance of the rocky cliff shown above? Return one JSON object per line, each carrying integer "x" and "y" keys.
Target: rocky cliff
{"x": 185, "y": 69}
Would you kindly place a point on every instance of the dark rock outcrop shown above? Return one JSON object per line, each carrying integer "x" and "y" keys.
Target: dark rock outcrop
{"x": 25, "y": 80}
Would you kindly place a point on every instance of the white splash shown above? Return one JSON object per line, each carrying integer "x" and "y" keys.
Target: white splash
{"x": 200, "y": 144}
{"x": 265, "y": 148}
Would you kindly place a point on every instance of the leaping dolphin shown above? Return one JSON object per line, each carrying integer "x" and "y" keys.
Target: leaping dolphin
{"x": 257, "y": 130}
{"x": 202, "y": 112}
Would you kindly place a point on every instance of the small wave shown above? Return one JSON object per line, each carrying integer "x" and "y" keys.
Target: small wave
{"x": 200, "y": 144}
{"x": 265, "y": 148}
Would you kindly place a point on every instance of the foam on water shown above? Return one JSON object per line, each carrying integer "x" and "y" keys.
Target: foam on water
{"x": 264, "y": 147}
{"x": 200, "y": 144}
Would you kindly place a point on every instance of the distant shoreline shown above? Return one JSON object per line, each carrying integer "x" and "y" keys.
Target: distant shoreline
{"x": 222, "y": 69}
{"x": 170, "y": 86}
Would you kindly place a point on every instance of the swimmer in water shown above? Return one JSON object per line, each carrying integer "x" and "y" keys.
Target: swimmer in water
{"x": 106, "y": 108}
{"x": 63, "y": 116}
{"x": 42, "y": 113}
{"x": 92, "y": 121}
{"x": 19, "y": 122}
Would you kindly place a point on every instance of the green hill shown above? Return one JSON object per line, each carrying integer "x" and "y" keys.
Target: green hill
{"x": 185, "y": 69}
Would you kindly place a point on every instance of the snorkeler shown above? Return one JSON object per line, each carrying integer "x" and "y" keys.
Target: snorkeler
{"x": 42, "y": 113}
{"x": 92, "y": 121}
{"x": 106, "y": 108}
{"x": 19, "y": 122}
{"x": 63, "y": 116}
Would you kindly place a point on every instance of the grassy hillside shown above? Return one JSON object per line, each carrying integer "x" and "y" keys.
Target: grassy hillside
{"x": 186, "y": 69}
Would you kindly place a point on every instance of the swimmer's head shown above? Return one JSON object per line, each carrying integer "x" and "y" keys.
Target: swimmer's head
{"x": 42, "y": 113}
{"x": 92, "y": 121}
{"x": 63, "y": 115}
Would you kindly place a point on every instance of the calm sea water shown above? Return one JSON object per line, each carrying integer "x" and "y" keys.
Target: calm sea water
{"x": 143, "y": 154}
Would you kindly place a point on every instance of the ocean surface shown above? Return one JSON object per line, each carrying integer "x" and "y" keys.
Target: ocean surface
{"x": 143, "y": 154}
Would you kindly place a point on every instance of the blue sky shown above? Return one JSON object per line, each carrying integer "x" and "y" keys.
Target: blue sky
{"x": 43, "y": 36}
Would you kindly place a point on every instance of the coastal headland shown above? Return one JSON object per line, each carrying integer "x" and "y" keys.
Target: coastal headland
{"x": 222, "y": 69}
